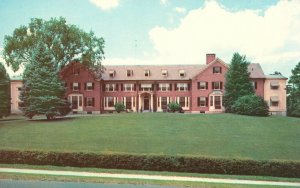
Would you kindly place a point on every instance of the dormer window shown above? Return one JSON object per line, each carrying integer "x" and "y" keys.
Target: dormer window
{"x": 147, "y": 73}
{"x": 112, "y": 73}
{"x": 182, "y": 73}
{"x": 164, "y": 73}
{"x": 129, "y": 73}
{"x": 217, "y": 70}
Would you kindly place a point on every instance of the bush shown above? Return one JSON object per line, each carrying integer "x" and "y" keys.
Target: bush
{"x": 154, "y": 163}
{"x": 173, "y": 107}
{"x": 119, "y": 107}
{"x": 252, "y": 105}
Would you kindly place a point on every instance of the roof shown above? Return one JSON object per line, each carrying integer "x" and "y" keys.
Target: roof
{"x": 276, "y": 76}
{"x": 155, "y": 72}
{"x": 256, "y": 71}
{"x": 16, "y": 78}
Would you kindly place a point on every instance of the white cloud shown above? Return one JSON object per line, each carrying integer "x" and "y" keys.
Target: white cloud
{"x": 163, "y": 2}
{"x": 106, "y": 4}
{"x": 272, "y": 39}
{"x": 180, "y": 10}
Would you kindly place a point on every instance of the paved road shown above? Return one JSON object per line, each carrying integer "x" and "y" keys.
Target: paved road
{"x": 54, "y": 184}
{"x": 149, "y": 177}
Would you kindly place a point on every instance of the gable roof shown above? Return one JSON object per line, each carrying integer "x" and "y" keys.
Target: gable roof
{"x": 256, "y": 71}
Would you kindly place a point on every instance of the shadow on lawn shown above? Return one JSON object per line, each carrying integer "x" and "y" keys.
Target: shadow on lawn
{"x": 52, "y": 120}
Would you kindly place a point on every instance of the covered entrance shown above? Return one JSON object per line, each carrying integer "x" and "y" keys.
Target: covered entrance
{"x": 76, "y": 102}
{"x": 215, "y": 101}
{"x": 146, "y": 102}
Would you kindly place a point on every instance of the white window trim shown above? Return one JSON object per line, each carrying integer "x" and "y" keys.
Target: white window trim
{"x": 125, "y": 87}
{"x": 182, "y": 85}
{"x": 164, "y": 85}
{"x": 107, "y": 87}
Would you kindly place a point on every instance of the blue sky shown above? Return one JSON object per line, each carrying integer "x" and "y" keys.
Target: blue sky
{"x": 175, "y": 31}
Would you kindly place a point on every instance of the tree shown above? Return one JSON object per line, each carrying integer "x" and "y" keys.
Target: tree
{"x": 237, "y": 81}
{"x": 42, "y": 92}
{"x": 64, "y": 42}
{"x": 252, "y": 105}
{"x": 119, "y": 107}
{"x": 293, "y": 100}
{"x": 4, "y": 92}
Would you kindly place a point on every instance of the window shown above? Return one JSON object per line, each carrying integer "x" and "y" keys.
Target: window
{"x": 217, "y": 85}
{"x": 274, "y": 101}
{"x": 147, "y": 73}
{"x": 182, "y": 86}
{"x": 89, "y": 86}
{"x": 217, "y": 70}
{"x": 164, "y": 73}
{"x": 110, "y": 87}
{"x": 19, "y": 88}
{"x": 182, "y": 101}
{"x": 110, "y": 102}
{"x": 164, "y": 103}
{"x": 112, "y": 73}
{"x": 182, "y": 73}
{"x": 76, "y": 86}
{"x": 129, "y": 73}
{"x": 75, "y": 71}
{"x": 89, "y": 101}
{"x": 254, "y": 84}
{"x": 202, "y": 101}
{"x": 145, "y": 87}
{"x": 164, "y": 87}
{"x": 128, "y": 103}
{"x": 128, "y": 87}
{"x": 274, "y": 85}
{"x": 202, "y": 85}
{"x": 211, "y": 100}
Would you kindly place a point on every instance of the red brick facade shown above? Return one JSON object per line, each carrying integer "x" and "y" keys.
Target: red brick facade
{"x": 197, "y": 88}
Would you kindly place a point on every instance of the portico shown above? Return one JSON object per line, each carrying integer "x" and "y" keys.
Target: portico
{"x": 145, "y": 102}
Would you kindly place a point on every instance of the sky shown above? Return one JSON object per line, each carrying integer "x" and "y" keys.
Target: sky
{"x": 175, "y": 31}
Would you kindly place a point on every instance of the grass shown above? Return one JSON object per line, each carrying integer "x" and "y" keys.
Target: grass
{"x": 135, "y": 181}
{"x": 215, "y": 136}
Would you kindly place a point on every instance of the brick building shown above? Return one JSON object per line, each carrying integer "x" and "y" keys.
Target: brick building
{"x": 146, "y": 88}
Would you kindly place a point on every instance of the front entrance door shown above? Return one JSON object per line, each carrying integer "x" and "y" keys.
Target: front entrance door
{"x": 76, "y": 102}
{"x": 217, "y": 102}
{"x": 146, "y": 103}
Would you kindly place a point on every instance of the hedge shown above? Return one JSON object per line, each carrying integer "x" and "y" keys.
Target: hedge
{"x": 154, "y": 163}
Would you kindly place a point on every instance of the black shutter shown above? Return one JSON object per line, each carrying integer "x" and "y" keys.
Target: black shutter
{"x": 122, "y": 87}
{"x": 189, "y": 87}
{"x": 255, "y": 85}
{"x": 140, "y": 87}
{"x": 152, "y": 87}
{"x": 206, "y": 100}
{"x": 176, "y": 87}
{"x": 103, "y": 87}
{"x": 66, "y": 84}
{"x": 198, "y": 85}
{"x": 93, "y": 85}
{"x": 171, "y": 87}
{"x": 220, "y": 69}
{"x": 93, "y": 101}
{"x": 221, "y": 85}
{"x": 134, "y": 87}
{"x": 85, "y": 85}
{"x": 157, "y": 87}
{"x": 198, "y": 101}
{"x": 79, "y": 86}
{"x": 212, "y": 85}
{"x": 84, "y": 102}
{"x": 117, "y": 87}
{"x": 206, "y": 85}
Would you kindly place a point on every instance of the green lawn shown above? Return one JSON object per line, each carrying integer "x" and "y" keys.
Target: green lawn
{"x": 218, "y": 135}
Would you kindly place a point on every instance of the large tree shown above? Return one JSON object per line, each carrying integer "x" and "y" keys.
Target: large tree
{"x": 65, "y": 42}
{"x": 4, "y": 92}
{"x": 237, "y": 81}
{"x": 43, "y": 91}
{"x": 293, "y": 104}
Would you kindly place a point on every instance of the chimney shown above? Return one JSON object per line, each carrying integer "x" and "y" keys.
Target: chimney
{"x": 210, "y": 58}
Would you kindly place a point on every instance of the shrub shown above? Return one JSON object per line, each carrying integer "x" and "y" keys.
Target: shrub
{"x": 173, "y": 107}
{"x": 119, "y": 107}
{"x": 154, "y": 163}
{"x": 251, "y": 105}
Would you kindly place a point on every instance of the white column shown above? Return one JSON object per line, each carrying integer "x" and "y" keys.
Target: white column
{"x": 151, "y": 104}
